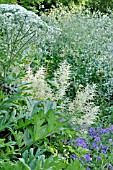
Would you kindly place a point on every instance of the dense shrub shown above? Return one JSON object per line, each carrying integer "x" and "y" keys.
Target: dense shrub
{"x": 99, "y": 5}
{"x": 43, "y": 5}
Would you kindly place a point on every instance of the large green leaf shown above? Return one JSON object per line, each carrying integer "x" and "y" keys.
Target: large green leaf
{"x": 38, "y": 131}
{"x": 52, "y": 163}
{"x": 75, "y": 165}
{"x": 45, "y": 125}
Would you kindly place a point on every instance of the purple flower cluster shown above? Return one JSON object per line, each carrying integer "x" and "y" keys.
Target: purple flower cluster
{"x": 109, "y": 166}
{"x": 98, "y": 136}
{"x": 97, "y": 132}
{"x": 74, "y": 156}
{"x": 81, "y": 142}
{"x": 99, "y": 142}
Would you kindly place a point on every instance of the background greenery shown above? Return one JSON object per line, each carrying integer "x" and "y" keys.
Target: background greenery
{"x": 37, "y": 5}
{"x": 38, "y": 134}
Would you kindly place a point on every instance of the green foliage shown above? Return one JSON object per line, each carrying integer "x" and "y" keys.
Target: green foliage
{"x": 52, "y": 125}
{"x": 77, "y": 44}
{"x": 38, "y": 125}
{"x": 100, "y": 5}
{"x": 53, "y": 162}
{"x": 30, "y": 5}
{"x": 75, "y": 165}
{"x": 8, "y": 1}
{"x": 11, "y": 166}
{"x": 40, "y": 163}
{"x": 42, "y": 5}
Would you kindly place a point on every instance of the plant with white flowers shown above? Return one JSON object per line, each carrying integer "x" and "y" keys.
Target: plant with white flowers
{"x": 83, "y": 103}
{"x": 40, "y": 89}
{"x": 21, "y": 33}
{"x": 84, "y": 106}
{"x": 61, "y": 80}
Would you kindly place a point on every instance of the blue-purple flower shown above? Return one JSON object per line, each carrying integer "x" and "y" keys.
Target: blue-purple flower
{"x": 97, "y": 139}
{"x": 110, "y": 140}
{"x": 104, "y": 150}
{"x": 81, "y": 142}
{"x": 88, "y": 157}
{"x": 109, "y": 166}
{"x": 94, "y": 146}
{"x": 74, "y": 156}
{"x": 99, "y": 158}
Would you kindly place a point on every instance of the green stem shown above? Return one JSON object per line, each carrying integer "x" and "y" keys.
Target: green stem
{"x": 23, "y": 45}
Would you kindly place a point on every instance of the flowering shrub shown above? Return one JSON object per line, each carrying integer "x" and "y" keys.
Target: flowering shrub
{"x": 18, "y": 27}
{"x": 21, "y": 31}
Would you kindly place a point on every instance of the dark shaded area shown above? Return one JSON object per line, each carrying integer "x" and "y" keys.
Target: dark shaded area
{"x": 42, "y": 5}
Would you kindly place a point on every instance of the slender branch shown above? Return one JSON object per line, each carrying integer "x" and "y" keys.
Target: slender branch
{"x": 23, "y": 46}
{"x": 5, "y": 68}
{"x": 16, "y": 39}
{"x": 25, "y": 35}
{"x": 21, "y": 39}
{"x": 8, "y": 45}
{"x": 14, "y": 42}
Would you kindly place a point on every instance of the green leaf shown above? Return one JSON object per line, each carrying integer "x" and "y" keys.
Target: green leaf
{"x": 32, "y": 105}
{"x": 22, "y": 124}
{"x": 21, "y": 165}
{"x": 18, "y": 137}
{"x": 47, "y": 106}
{"x": 2, "y": 142}
{"x": 38, "y": 131}
{"x": 75, "y": 165}
{"x": 51, "y": 163}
